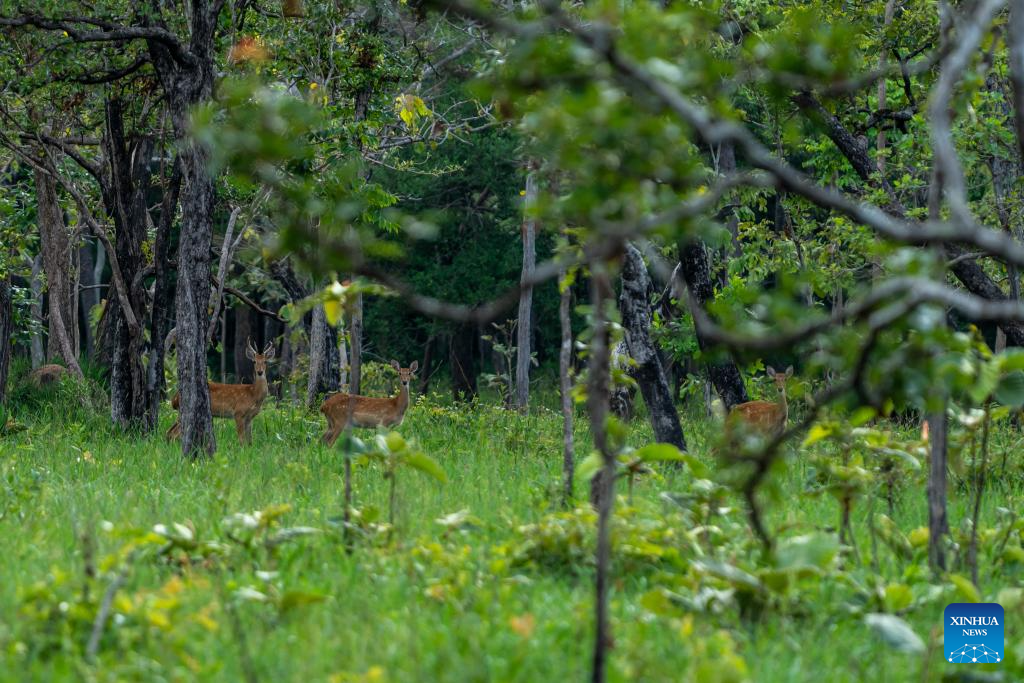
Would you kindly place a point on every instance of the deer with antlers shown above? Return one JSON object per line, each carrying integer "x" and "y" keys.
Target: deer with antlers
{"x": 240, "y": 401}
{"x": 368, "y": 411}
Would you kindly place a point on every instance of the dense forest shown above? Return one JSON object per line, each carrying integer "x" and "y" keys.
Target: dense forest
{"x": 607, "y": 341}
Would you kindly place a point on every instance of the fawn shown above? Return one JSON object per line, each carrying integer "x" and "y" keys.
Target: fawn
{"x": 767, "y": 417}
{"x": 240, "y": 401}
{"x": 367, "y": 411}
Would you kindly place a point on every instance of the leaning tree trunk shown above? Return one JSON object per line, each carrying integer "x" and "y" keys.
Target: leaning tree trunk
{"x": 696, "y": 271}
{"x": 56, "y": 249}
{"x": 635, "y": 307}
{"x": 524, "y": 328}
{"x": 126, "y": 191}
{"x": 6, "y": 331}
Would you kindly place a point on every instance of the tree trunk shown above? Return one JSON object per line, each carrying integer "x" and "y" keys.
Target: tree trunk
{"x": 565, "y": 386}
{"x": 36, "y": 340}
{"x": 323, "y": 358}
{"x": 524, "y": 328}
{"x": 163, "y": 291}
{"x": 461, "y": 360}
{"x": 938, "y": 525}
{"x": 355, "y": 369}
{"x": 603, "y": 486}
{"x": 125, "y": 198}
{"x": 56, "y": 250}
{"x": 6, "y": 332}
{"x": 696, "y": 271}
{"x": 243, "y": 332}
{"x": 187, "y": 83}
{"x": 635, "y": 307}
{"x": 90, "y": 292}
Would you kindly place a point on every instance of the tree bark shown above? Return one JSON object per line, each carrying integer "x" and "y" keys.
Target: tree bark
{"x": 125, "y": 197}
{"x": 163, "y": 292}
{"x": 695, "y": 269}
{"x": 56, "y": 250}
{"x": 524, "y": 328}
{"x": 603, "y": 486}
{"x": 36, "y": 340}
{"x": 565, "y": 386}
{"x": 355, "y": 366}
{"x": 243, "y": 332}
{"x": 461, "y": 361}
{"x": 90, "y": 291}
{"x": 187, "y": 83}
{"x": 938, "y": 525}
{"x": 635, "y": 307}
{"x": 6, "y": 332}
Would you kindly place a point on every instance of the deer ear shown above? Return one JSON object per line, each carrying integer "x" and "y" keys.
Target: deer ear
{"x": 771, "y": 370}
{"x": 414, "y": 366}
{"x": 789, "y": 371}
{"x": 250, "y": 354}
{"x": 395, "y": 365}
{"x": 269, "y": 352}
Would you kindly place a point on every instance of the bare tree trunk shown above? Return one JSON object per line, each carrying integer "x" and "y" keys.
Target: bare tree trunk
{"x": 635, "y": 307}
{"x": 565, "y": 386}
{"x": 243, "y": 332}
{"x": 56, "y": 249}
{"x": 356, "y": 340}
{"x": 125, "y": 197}
{"x": 938, "y": 525}
{"x": 343, "y": 363}
{"x": 603, "y": 488}
{"x": 36, "y": 340}
{"x": 696, "y": 271}
{"x": 6, "y": 332}
{"x": 90, "y": 293}
{"x": 524, "y": 328}
{"x": 163, "y": 289}
{"x": 462, "y": 364}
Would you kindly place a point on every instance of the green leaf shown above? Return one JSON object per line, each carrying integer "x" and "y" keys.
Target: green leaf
{"x": 588, "y": 468}
{"x": 816, "y": 551}
{"x": 424, "y": 463}
{"x": 895, "y": 632}
{"x": 898, "y": 597}
{"x": 862, "y": 416}
{"x": 1010, "y": 390}
{"x": 292, "y": 599}
{"x": 816, "y": 434}
{"x": 729, "y": 573}
{"x": 332, "y": 311}
{"x": 965, "y": 590}
{"x": 660, "y": 452}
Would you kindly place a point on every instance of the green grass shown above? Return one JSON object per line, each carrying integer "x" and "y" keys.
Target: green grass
{"x": 421, "y": 603}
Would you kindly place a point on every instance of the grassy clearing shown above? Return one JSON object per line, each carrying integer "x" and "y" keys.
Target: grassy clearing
{"x": 494, "y": 599}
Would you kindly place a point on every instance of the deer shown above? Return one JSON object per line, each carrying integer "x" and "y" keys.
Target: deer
{"x": 343, "y": 409}
{"x": 766, "y": 417}
{"x": 240, "y": 401}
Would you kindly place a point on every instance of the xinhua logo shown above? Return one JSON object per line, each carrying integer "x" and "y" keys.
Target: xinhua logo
{"x": 973, "y": 633}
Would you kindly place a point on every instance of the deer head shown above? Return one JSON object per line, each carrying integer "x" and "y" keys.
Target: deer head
{"x": 405, "y": 374}
{"x": 259, "y": 360}
{"x": 780, "y": 378}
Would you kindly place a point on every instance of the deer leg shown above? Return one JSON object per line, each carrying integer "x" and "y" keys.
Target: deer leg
{"x": 240, "y": 428}
{"x": 248, "y": 430}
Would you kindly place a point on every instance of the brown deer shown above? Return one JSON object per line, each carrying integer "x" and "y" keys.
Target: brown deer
{"x": 240, "y": 401}
{"x": 367, "y": 411}
{"x": 766, "y": 417}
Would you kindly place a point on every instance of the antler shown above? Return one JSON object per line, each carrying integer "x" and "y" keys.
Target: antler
{"x": 248, "y": 344}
